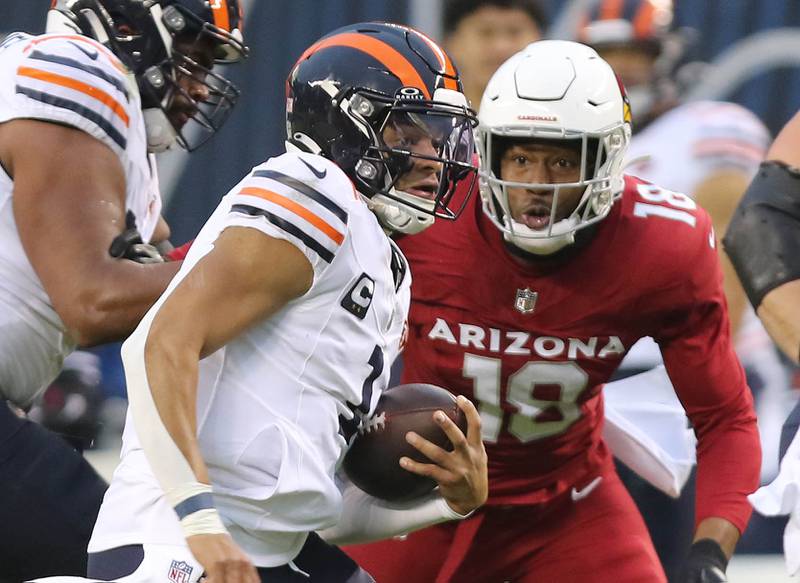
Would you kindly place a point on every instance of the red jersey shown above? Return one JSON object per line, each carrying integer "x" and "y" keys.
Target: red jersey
{"x": 532, "y": 343}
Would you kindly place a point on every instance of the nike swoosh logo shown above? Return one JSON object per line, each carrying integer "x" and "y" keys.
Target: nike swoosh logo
{"x": 576, "y": 494}
{"x": 316, "y": 172}
{"x": 92, "y": 54}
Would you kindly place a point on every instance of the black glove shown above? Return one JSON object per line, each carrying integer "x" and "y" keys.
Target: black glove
{"x": 129, "y": 244}
{"x": 706, "y": 563}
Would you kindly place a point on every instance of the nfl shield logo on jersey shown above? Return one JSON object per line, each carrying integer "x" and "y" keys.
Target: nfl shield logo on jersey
{"x": 179, "y": 572}
{"x": 526, "y": 300}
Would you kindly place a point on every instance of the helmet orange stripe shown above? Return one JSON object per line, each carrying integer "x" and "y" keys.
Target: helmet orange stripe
{"x": 297, "y": 209}
{"x": 75, "y": 85}
{"x": 611, "y": 9}
{"x": 219, "y": 9}
{"x": 643, "y": 23}
{"x": 392, "y": 59}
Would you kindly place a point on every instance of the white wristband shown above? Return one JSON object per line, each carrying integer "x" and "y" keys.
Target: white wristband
{"x": 194, "y": 505}
{"x": 203, "y": 522}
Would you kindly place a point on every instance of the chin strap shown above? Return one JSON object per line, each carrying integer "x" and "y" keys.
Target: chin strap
{"x": 161, "y": 135}
{"x": 58, "y": 22}
{"x": 543, "y": 245}
{"x": 396, "y": 219}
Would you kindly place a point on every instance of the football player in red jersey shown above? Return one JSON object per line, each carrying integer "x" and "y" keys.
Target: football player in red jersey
{"x": 528, "y": 304}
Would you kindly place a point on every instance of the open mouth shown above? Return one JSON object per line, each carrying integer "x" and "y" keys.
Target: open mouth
{"x": 536, "y": 218}
{"x": 426, "y": 191}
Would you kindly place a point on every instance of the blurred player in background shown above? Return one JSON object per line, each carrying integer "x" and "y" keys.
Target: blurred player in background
{"x": 481, "y": 35}
{"x": 763, "y": 241}
{"x": 709, "y": 151}
{"x": 528, "y": 306}
{"x": 281, "y": 327}
{"x": 80, "y": 108}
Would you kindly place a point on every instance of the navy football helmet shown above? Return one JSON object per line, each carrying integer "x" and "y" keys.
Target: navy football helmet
{"x": 156, "y": 40}
{"x": 364, "y": 82}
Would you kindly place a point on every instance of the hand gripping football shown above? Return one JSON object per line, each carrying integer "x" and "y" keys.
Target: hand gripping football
{"x": 372, "y": 462}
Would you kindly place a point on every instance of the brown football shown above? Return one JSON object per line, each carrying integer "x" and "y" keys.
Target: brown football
{"x": 372, "y": 461}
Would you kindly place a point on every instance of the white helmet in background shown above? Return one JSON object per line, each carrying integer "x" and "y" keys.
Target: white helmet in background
{"x": 562, "y": 92}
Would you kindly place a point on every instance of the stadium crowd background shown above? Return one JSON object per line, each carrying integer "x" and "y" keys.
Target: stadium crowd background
{"x": 753, "y": 47}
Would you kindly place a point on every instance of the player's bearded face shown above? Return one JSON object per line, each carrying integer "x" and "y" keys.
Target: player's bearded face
{"x": 421, "y": 178}
{"x": 539, "y": 165}
{"x": 191, "y": 79}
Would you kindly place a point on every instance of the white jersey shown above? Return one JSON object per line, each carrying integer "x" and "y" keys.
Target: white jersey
{"x": 271, "y": 402}
{"x": 70, "y": 80}
{"x": 689, "y": 143}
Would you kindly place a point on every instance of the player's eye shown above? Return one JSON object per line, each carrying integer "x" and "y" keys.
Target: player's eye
{"x": 565, "y": 163}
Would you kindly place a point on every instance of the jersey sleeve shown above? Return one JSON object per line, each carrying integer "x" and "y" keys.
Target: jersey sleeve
{"x": 727, "y": 137}
{"x": 72, "y": 80}
{"x": 279, "y": 200}
{"x": 698, "y": 352}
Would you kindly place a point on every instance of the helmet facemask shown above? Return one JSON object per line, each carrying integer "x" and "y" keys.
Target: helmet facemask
{"x": 385, "y": 103}
{"x": 192, "y": 47}
{"x": 164, "y": 44}
{"x": 600, "y": 181}
{"x": 404, "y": 136}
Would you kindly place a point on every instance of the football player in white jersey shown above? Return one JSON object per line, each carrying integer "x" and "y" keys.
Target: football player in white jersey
{"x": 81, "y": 109}
{"x": 278, "y": 332}
{"x": 762, "y": 242}
{"x": 710, "y": 151}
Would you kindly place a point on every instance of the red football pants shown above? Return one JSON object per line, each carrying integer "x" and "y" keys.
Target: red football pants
{"x": 597, "y": 539}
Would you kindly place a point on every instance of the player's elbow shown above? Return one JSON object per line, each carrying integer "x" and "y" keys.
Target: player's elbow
{"x": 735, "y": 419}
{"x": 90, "y": 317}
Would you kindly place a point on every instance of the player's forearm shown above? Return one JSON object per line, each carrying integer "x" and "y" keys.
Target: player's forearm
{"x": 171, "y": 364}
{"x": 780, "y": 314}
{"x": 728, "y": 465}
{"x": 108, "y": 304}
{"x": 164, "y": 417}
{"x": 366, "y": 519}
{"x": 720, "y": 530}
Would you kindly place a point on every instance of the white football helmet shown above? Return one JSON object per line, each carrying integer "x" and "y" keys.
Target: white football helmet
{"x": 560, "y": 91}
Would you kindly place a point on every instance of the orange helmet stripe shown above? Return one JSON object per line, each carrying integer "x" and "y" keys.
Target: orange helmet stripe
{"x": 611, "y": 9}
{"x": 219, "y": 9}
{"x": 643, "y": 22}
{"x": 391, "y": 58}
